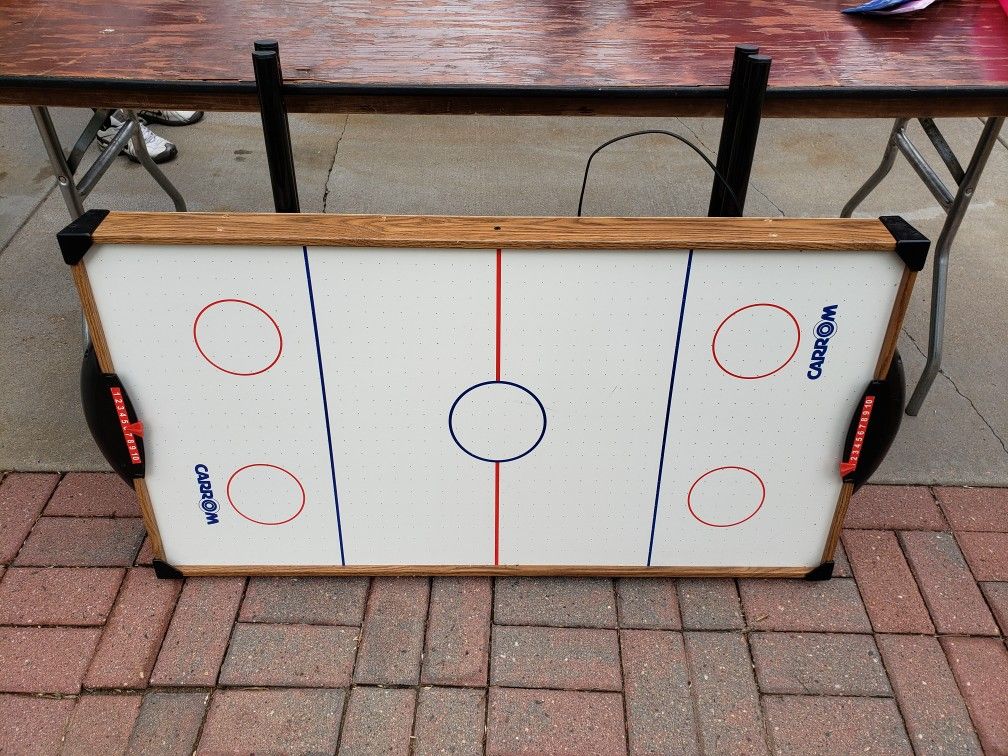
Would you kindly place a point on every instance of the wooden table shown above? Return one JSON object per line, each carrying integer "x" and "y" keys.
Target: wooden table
{"x": 551, "y": 57}
{"x": 570, "y": 57}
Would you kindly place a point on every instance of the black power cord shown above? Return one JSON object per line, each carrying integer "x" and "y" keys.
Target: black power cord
{"x": 684, "y": 140}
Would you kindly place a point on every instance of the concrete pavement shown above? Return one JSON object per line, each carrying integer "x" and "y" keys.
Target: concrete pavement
{"x": 477, "y": 165}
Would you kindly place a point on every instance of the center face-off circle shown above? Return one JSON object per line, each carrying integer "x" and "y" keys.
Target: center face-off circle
{"x": 726, "y": 496}
{"x": 756, "y": 341}
{"x": 237, "y": 337}
{"x": 497, "y": 421}
{"x": 265, "y": 494}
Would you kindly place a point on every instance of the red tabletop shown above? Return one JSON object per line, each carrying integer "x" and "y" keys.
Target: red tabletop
{"x": 507, "y": 56}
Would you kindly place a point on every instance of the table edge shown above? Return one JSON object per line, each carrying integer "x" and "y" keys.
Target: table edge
{"x": 303, "y": 96}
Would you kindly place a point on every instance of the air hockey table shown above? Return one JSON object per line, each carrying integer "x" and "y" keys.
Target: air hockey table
{"x": 327, "y": 394}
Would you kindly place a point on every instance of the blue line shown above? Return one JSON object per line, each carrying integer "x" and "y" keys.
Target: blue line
{"x": 325, "y": 404}
{"x": 668, "y": 406}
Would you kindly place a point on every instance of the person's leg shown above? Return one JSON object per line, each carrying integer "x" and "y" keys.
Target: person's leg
{"x": 172, "y": 117}
{"x": 159, "y": 148}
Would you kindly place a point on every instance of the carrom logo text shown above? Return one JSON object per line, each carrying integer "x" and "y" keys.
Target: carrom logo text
{"x": 824, "y": 331}
{"x": 208, "y": 504}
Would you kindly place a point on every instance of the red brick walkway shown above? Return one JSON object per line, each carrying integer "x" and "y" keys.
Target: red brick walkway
{"x": 904, "y": 651}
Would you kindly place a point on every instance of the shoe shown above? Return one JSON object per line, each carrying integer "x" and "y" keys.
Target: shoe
{"x": 160, "y": 150}
{"x": 172, "y": 117}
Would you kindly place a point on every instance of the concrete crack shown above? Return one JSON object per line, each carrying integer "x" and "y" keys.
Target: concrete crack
{"x": 752, "y": 186}
{"x": 956, "y": 388}
{"x": 28, "y": 216}
{"x": 332, "y": 165}
{"x": 763, "y": 194}
{"x": 696, "y": 136}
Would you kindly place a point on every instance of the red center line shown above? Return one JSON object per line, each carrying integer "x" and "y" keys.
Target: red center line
{"x": 497, "y": 464}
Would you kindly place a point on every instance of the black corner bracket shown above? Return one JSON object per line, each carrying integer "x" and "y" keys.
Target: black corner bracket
{"x": 111, "y": 419}
{"x": 823, "y": 572}
{"x": 75, "y": 240}
{"x": 874, "y": 425}
{"x": 165, "y": 571}
{"x": 911, "y": 245}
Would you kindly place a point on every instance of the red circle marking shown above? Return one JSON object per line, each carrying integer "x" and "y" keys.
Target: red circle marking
{"x": 275, "y": 467}
{"x": 689, "y": 496}
{"x": 250, "y": 304}
{"x": 733, "y": 314}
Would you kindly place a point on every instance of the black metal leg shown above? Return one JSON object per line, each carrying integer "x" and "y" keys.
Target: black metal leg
{"x": 719, "y": 196}
{"x": 739, "y": 129}
{"x": 276, "y": 130}
{"x": 757, "y": 71}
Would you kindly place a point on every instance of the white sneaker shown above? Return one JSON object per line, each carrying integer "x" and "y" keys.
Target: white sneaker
{"x": 172, "y": 117}
{"x": 160, "y": 150}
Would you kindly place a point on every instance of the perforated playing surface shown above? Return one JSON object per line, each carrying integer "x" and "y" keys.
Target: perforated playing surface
{"x": 371, "y": 406}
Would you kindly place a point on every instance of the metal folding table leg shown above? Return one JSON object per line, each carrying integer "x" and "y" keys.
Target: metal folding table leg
{"x": 954, "y": 205}
{"x": 64, "y": 168}
{"x": 961, "y": 201}
{"x": 140, "y": 148}
{"x": 64, "y": 179}
{"x": 888, "y": 160}
{"x": 73, "y": 191}
{"x": 64, "y": 176}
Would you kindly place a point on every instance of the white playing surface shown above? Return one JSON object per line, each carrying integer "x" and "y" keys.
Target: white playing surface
{"x": 426, "y": 457}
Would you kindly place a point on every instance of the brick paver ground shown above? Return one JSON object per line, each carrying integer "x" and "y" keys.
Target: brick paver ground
{"x": 904, "y": 651}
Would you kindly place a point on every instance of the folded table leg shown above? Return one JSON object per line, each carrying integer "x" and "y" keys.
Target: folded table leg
{"x": 954, "y": 205}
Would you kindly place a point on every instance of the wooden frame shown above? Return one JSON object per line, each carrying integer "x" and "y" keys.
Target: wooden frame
{"x": 489, "y": 233}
